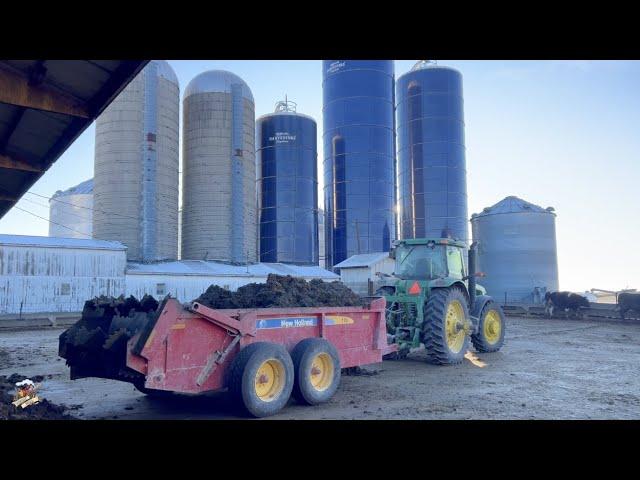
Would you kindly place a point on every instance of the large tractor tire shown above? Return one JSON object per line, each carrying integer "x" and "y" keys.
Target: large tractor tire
{"x": 261, "y": 378}
{"x": 491, "y": 329}
{"x": 443, "y": 334}
{"x": 317, "y": 371}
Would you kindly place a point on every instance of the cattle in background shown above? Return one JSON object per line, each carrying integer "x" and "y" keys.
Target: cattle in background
{"x": 628, "y": 302}
{"x": 566, "y": 302}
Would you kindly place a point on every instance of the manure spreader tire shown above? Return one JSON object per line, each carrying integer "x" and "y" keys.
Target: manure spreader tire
{"x": 317, "y": 370}
{"x": 261, "y": 378}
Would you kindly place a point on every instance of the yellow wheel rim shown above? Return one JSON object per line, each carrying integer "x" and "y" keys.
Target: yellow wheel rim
{"x": 492, "y": 328}
{"x": 270, "y": 379}
{"x": 321, "y": 373}
{"x": 454, "y": 326}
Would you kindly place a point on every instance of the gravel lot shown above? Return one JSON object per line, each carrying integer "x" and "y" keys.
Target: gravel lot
{"x": 548, "y": 369}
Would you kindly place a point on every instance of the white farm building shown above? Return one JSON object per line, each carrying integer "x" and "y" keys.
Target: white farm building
{"x": 54, "y": 275}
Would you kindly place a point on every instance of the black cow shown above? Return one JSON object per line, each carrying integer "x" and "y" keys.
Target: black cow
{"x": 628, "y": 301}
{"x": 564, "y": 301}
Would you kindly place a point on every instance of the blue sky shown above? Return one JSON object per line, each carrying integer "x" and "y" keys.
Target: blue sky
{"x": 556, "y": 133}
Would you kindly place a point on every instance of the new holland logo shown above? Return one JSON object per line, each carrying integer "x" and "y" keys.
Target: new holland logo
{"x": 296, "y": 322}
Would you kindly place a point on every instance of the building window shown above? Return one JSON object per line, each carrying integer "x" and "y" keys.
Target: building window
{"x": 161, "y": 289}
{"x": 65, "y": 289}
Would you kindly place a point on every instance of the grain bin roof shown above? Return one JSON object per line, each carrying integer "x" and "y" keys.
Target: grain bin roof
{"x": 513, "y": 204}
{"x": 209, "y": 268}
{"x": 59, "y": 242}
{"x": 44, "y": 106}
{"x": 83, "y": 188}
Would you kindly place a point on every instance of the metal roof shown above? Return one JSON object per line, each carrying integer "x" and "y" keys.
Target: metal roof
{"x": 83, "y": 188}
{"x": 362, "y": 260}
{"x": 513, "y": 204}
{"x": 44, "y": 106}
{"x": 217, "y": 81}
{"x": 59, "y": 242}
{"x": 208, "y": 268}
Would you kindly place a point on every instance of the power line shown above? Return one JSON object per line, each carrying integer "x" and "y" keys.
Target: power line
{"x": 54, "y": 223}
{"x": 90, "y": 208}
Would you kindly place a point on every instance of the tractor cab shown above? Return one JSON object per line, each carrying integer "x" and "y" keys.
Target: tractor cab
{"x": 430, "y": 263}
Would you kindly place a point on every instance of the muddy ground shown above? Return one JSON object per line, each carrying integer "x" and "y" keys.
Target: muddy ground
{"x": 548, "y": 369}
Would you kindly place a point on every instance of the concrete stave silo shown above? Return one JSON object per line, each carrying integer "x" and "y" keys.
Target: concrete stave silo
{"x": 517, "y": 250}
{"x": 136, "y": 166}
{"x": 287, "y": 186}
{"x": 359, "y": 157}
{"x": 432, "y": 185}
{"x": 219, "y": 207}
{"x": 71, "y": 212}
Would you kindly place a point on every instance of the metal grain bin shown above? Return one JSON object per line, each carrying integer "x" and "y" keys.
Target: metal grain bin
{"x": 71, "y": 212}
{"x": 517, "y": 250}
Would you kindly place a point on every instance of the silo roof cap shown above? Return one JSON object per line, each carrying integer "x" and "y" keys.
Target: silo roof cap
{"x": 513, "y": 204}
{"x": 85, "y": 187}
{"x": 217, "y": 81}
{"x": 165, "y": 71}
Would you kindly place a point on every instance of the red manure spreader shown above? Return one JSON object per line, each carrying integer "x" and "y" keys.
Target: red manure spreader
{"x": 263, "y": 356}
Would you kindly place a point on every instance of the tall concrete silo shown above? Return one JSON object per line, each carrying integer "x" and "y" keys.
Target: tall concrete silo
{"x": 71, "y": 212}
{"x": 432, "y": 178}
{"x": 517, "y": 250}
{"x": 136, "y": 166}
{"x": 219, "y": 202}
{"x": 287, "y": 186}
{"x": 359, "y": 157}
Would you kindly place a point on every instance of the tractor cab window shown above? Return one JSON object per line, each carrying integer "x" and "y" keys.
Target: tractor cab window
{"x": 454, "y": 262}
{"x": 420, "y": 262}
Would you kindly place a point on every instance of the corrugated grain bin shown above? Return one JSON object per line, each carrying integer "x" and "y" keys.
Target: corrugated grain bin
{"x": 71, "y": 212}
{"x": 219, "y": 203}
{"x": 136, "y": 166}
{"x": 517, "y": 250}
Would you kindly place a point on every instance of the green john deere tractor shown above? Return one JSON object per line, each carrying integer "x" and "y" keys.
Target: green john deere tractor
{"x": 433, "y": 301}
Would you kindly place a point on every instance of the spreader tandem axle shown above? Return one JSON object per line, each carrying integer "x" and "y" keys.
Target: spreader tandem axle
{"x": 262, "y": 356}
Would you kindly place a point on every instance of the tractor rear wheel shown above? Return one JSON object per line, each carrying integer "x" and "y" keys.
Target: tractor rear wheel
{"x": 443, "y": 333}
{"x": 491, "y": 328}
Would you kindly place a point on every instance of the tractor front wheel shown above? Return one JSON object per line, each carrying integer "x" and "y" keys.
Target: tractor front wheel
{"x": 491, "y": 328}
{"x": 443, "y": 333}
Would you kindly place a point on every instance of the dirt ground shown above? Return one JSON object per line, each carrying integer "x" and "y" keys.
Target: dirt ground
{"x": 548, "y": 369}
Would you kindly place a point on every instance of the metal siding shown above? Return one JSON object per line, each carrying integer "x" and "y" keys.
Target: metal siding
{"x": 31, "y": 278}
{"x": 432, "y": 183}
{"x": 359, "y": 157}
{"x": 187, "y": 287}
{"x": 288, "y": 189}
{"x": 518, "y": 253}
{"x": 74, "y": 211}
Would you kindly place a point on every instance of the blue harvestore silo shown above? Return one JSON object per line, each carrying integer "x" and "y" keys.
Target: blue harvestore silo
{"x": 288, "y": 186}
{"x": 359, "y": 157}
{"x": 432, "y": 184}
